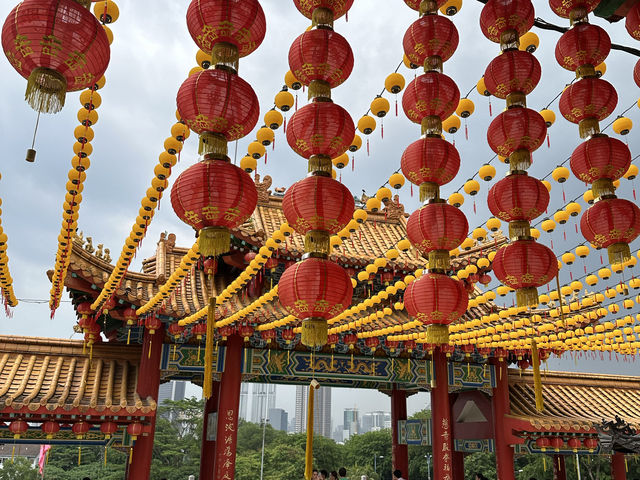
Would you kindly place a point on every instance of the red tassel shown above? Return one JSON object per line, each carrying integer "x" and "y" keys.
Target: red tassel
{"x": 564, "y": 234}
{"x": 353, "y": 162}
{"x": 453, "y": 142}
{"x": 474, "y": 207}
{"x": 367, "y": 147}
{"x": 296, "y": 102}
{"x": 634, "y": 193}
{"x": 571, "y": 275}
{"x": 340, "y": 177}
{"x": 382, "y": 130}
{"x": 273, "y": 144}
{"x": 466, "y": 130}
{"x": 284, "y": 126}
{"x": 551, "y": 244}
{"x": 548, "y": 141}
{"x": 412, "y": 189}
{"x": 601, "y": 261}
{"x": 265, "y": 158}
{"x": 576, "y": 225}
{"x": 490, "y": 109}
{"x": 346, "y": 16}
{"x": 564, "y": 196}
{"x": 396, "y": 105}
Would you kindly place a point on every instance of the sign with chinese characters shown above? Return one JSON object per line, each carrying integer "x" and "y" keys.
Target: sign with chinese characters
{"x": 226, "y": 459}
{"x": 212, "y": 426}
{"x": 414, "y": 432}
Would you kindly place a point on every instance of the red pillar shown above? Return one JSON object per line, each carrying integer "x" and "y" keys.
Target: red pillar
{"x": 618, "y": 467}
{"x": 209, "y": 423}
{"x": 227, "y": 430}
{"x": 559, "y": 472}
{"x": 458, "y": 466}
{"x": 148, "y": 384}
{"x": 442, "y": 430}
{"x": 504, "y": 451}
{"x": 399, "y": 453}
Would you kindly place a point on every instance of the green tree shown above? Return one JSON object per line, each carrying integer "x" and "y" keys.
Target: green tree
{"x": 360, "y": 450}
{"x": 484, "y": 463}
{"x": 20, "y": 469}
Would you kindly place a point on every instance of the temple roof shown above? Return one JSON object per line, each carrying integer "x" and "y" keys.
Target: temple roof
{"x": 47, "y": 376}
{"x": 575, "y": 401}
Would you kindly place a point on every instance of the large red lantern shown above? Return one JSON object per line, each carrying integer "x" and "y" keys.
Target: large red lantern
{"x": 320, "y": 129}
{"x": 583, "y": 44}
{"x": 432, "y": 94}
{"x": 108, "y": 429}
{"x": 636, "y": 73}
{"x": 588, "y": 101}
{"x": 58, "y": 46}
{"x": 435, "y": 229}
{"x": 515, "y": 71}
{"x": 612, "y": 223}
{"x": 217, "y": 101}
{"x": 563, "y": 8}
{"x": 500, "y": 17}
{"x": 50, "y": 428}
{"x": 520, "y": 130}
{"x": 152, "y": 323}
{"x": 315, "y": 290}
{"x": 18, "y": 427}
{"x": 338, "y": 7}
{"x": 543, "y": 443}
{"x": 525, "y": 265}
{"x": 237, "y": 22}
{"x": 134, "y": 430}
{"x": 632, "y": 21}
{"x": 317, "y": 207}
{"x": 518, "y": 198}
{"x": 600, "y": 160}
{"x": 430, "y": 36}
{"x": 430, "y": 162}
{"x": 436, "y": 300}
{"x": 214, "y": 196}
{"x": 321, "y": 55}
{"x": 80, "y": 429}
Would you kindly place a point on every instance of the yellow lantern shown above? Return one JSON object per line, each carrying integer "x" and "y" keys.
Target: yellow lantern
{"x": 467, "y": 244}
{"x": 535, "y": 233}
{"x": 396, "y": 180}
{"x": 356, "y": 143}
{"x": 256, "y": 150}
{"x": 373, "y": 205}
{"x": 341, "y": 161}
{"x": 291, "y": 81}
{"x": 582, "y": 251}
{"x": 404, "y": 245}
{"x": 482, "y": 88}
{"x": 451, "y": 7}
{"x": 451, "y": 124}
{"x": 561, "y": 217}
{"x": 632, "y": 172}
{"x": 479, "y": 234}
{"x": 591, "y": 280}
{"x": 465, "y": 108}
{"x": 588, "y": 197}
{"x": 622, "y": 125}
{"x": 568, "y": 258}
{"x": 284, "y": 100}
{"x": 380, "y": 106}
{"x": 560, "y": 174}
{"x": 548, "y": 225}
{"x": 471, "y": 187}
{"x": 367, "y": 124}
{"x": 547, "y": 185}
{"x": 408, "y": 64}
{"x": 394, "y": 83}
{"x": 548, "y": 115}
{"x": 392, "y": 254}
{"x": 604, "y": 273}
{"x": 493, "y": 224}
{"x": 573, "y": 209}
{"x": 273, "y": 119}
{"x": 360, "y": 215}
{"x": 601, "y": 69}
{"x": 383, "y": 194}
{"x": 529, "y": 42}
{"x": 456, "y": 199}
{"x": 265, "y": 135}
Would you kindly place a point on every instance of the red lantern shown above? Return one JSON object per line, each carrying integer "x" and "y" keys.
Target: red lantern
{"x": 218, "y": 102}
{"x": 557, "y": 443}
{"x": 563, "y": 8}
{"x": 415, "y": 4}
{"x": 372, "y": 342}
{"x": 248, "y": 258}
{"x": 516, "y": 129}
{"x": 515, "y": 71}
{"x": 130, "y": 316}
{"x": 288, "y": 335}
{"x": 582, "y": 44}
{"x": 18, "y": 427}
{"x": 271, "y": 263}
{"x": 50, "y": 428}
{"x": 500, "y": 16}
{"x": 525, "y": 265}
{"x": 226, "y": 331}
{"x": 429, "y": 36}
{"x": 409, "y": 345}
{"x": 175, "y": 330}
{"x": 574, "y": 444}
{"x": 199, "y": 330}
{"x": 92, "y": 334}
{"x": 210, "y": 266}
{"x": 430, "y": 160}
{"x": 591, "y": 443}
{"x": 268, "y": 335}
{"x": 152, "y": 323}
{"x": 636, "y": 73}
{"x": 321, "y": 54}
{"x": 436, "y": 300}
{"x": 543, "y": 443}
{"x": 430, "y": 94}
{"x": 612, "y": 223}
{"x": 350, "y": 340}
{"x": 588, "y": 98}
{"x": 600, "y": 157}
{"x": 80, "y": 429}
{"x": 318, "y": 203}
{"x": 447, "y": 349}
{"x": 518, "y": 197}
{"x": 338, "y": 7}
{"x": 523, "y": 364}
{"x": 437, "y": 226}
{"x": 333, "y": 339}
{"x": 632, "y": 22}
{"x": 240, "y": 23}
{"x": 134, "y": 430}
{"x": 214, "y": 196}
{"x": 108, "y": 429}
{"x": 320, "y": 128}
{"x": 58, "y": 46}
{"x": 392, "y": 345}
{"x": 246, "y": 332}
{"x": 485, "y": 279}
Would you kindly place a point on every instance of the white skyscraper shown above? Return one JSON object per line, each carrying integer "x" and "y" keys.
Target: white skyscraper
{"x": 321, "y": 410}
{"x": 255, "y": 401}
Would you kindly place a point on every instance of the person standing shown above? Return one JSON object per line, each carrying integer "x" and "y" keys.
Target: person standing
{"x": 342, "y": 473}
{"x": 333, "y": 475}
{"x": 397, "y": 475}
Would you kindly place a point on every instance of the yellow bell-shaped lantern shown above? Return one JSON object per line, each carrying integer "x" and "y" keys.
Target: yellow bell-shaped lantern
{"x": 273, "y": 119}
{"x": 248, "y": 163}
{"x": 284, "y": 100}
{"x": 451, "y": 7}
{"x": 493, "y": 224}
{"x": 483, "y": 263}
{"x": 549, "y": 116}
{"x": 451, "y": 124}
{"x": 604, "y": 273}
{"x": 341, "y": 161}
{"x": 561, "y": 217}
{"x": 465, "y": 108}
{"x": 106, "y": 11}
{"x": 383, "y": 194}
{"x": 582, "y": 251}
{"x": 482, "y": 88}
{"x": 560, "y": 174}
{"x": 588, "y": 197}
{"x": 404, "y": 245}
{"x": 622, "y": 125}
{"x": 408, "y": 64}
{"x": 601, "y": 69}
{"x": 392, "y": 254}
{"x": 373, "y": 205}
{"x": 535, "y": 233}
{"x": 591, "y": 280}
{"x": 334, "y": 174}
{"x": 573, "y": 209}
{"x": 265, "y": 135}
{"x": 356, "y": 143}
{"x": 479, "y": 234}
{"x": 380, "y": 106}
{"x": 256, "y": 150}
{"x": 467, "y": 245}
{"x": 396, "y": 180}
{"x": 529, "y": 42}
{"x": 632, "y": 172}
{"x": 367, "y": 124}
{"x": 471, "y": 187}
{"x": 487, "y": 172}
{"x": 548, "y": 225}
{"x": 394, "y": 83}
{"x": 291, "y": 81}
{"x": 203, "y": 59}
{"x": 568, "y": 258}
{"x": 360, "y": 215}
{"x": 456, "y": 199}
{"x": 547, "y": 185}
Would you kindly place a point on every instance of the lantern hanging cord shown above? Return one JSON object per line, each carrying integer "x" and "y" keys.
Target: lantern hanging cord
{"x": 382, "y": 91}
{"x": 620, "y": 115}
{"x": 35, "y": 130}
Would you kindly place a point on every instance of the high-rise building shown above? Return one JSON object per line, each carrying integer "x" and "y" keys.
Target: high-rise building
{"x": 244, "y": 401}
{"x": 375, "y": 421}
{"x": 172, "y": 390}
{"x": 351, "y": 423}
{"x": 321, "y": 410}
{"x": 256, "y": 399}
{"x": 278, "y": 419}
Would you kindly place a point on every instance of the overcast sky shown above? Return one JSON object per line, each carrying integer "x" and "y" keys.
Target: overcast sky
{"x": 150, "y": 57}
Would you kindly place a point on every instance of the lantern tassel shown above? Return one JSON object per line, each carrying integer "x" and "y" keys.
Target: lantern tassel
{"x": 314, "y": 332}
{"x": 308, "y": 457}
{"x": 128, "y": 335}
{"x": 46, "y": 90}
{"x": 537, "y": 379}
{"x": 79, "y": 455}
{"x": 208, "y": 350}
{"x": 214, "y": 241}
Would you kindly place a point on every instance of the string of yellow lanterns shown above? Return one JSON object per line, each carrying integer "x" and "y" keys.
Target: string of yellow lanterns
{"x": 90, "y": 99}
{"x": 6, "y": 281}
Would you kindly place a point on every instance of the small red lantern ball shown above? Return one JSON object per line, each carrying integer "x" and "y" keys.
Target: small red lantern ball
{"x": 58, "y": 46}
{"x": 501, "y": 16}
{"x": 513, "y": 71}
{"x": 321, "y": 54}
{"x": 583, "y": 44}
{"x": 18, "y": 427}
{"x": 80, "y": 429}
{"x": 430, "y": 35}
{"x": 437, "y": 226}
{"x": 134, "y": 430}
{"x": 518, "y": 197}
{"x": 238, "y": 22}
{"x": 214, "y": 196}
{"x": 50, "y": 428}
{"x": 108, "y": 429}
{"x": 430, "y": 94}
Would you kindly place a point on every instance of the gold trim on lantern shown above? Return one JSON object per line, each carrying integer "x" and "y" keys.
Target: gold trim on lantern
{"x": 578, "y": 15}
{"x": 320, "y": 164}
{"x": 314, "y": 332}
{"x": 433, "y": 63}
{"x": 619, "y": 253}
{"x": 586, "y": 71}
{"x": 429, "y": 191}
{"x": 214, "y": 241}
{"x": 431, "y": 126}
{"x": 527, "y": 297}
{"x": 519, "y": 229}
{"x": 317, "y": 241}
{"x": 509, "y": 40}
{"x": 214, "y": 144}
{"x": 588, "y": 127}
{"x": 439, "y": 260}
{"x": 516, "y": 99}
{"x": 437, "y": 334}
{"x": 322, "y": 17}
{"x": 319, "y": 89}
{"x": 602, "y": 187}
{"x": 85, "y": 3}
{"x": 519, "y": 161}
{"x": 46, "y": 90}
{"x": 225, "y": 56}
{"x": 428, "y": 7}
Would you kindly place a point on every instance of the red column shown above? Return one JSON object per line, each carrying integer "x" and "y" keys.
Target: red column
{"x": 208, "y": 449}
{"x": 559, "y": 473}
{"x": 399, "y": 453}
{"x": 227, "y": 430}
{"x": 618, "y": 467}
{"x": 148, "y": 384}
{"x": 442, "y": 430}
{"x": 504, "y": 451}
{"x": 458, "y": 466}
